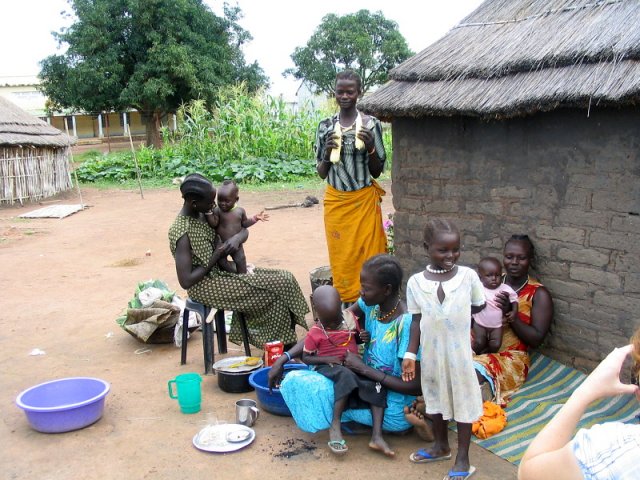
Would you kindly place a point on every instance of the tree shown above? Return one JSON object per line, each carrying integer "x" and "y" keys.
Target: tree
{"x": 150, "y": 55}
{"x": 365, "y": 42}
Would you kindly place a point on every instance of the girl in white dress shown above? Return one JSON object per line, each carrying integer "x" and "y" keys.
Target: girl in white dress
{"x": 442, "y": 299}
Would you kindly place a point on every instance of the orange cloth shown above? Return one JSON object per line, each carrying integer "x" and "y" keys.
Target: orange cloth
{"x": 492, "y": 421}
{"x": 353, "y": 225}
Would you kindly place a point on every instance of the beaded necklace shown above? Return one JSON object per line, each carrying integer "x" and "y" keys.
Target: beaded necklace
{"x": 387, "y": 315}
{"x": 430, "y": 269}
{"x": 346, "y": 342}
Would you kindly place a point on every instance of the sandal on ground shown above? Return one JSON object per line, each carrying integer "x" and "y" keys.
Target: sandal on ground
{"x": 460, "y": 475}
{"x": 422, "y": 456}
{"x": 338, "y": 447}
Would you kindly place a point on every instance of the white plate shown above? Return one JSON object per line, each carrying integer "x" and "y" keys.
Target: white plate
{"x": 213, "y": 438}
{"x": 225, "y": 362}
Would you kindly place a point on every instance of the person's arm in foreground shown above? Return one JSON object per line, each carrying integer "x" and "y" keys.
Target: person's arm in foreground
{"x": 541, "y": 315}
{"x": 188, "y": 276}
{"x": 550, "y": 454}
{"x": 277, "y": 369}
{"x": 354, "y": 362}
{"x": 409, "y": 360}
{"x": 233, "y": 244}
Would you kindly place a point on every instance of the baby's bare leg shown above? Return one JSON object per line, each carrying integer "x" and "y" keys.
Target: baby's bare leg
{"x": 495, "y": 339}
{"x": 479, "y": 345}
{"x": 240, "y": 260}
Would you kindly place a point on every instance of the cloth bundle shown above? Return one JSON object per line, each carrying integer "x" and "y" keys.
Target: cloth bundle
{"x": 493, "y": 421}
{"x": 154, "y": 314}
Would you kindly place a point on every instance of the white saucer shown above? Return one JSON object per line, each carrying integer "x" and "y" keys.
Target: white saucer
{"x": 214, "y": 438}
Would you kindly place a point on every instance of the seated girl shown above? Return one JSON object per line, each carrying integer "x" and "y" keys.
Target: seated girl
{"x": 383, "y": 314}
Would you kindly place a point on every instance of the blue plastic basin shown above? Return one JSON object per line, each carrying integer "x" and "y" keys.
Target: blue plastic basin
{"x": 272, "y": 401}
{"x": 65, "y": 404}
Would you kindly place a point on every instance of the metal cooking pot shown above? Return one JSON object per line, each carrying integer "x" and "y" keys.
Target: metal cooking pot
{"x": 234, "y": 382}
{"x": 233, "y": 377}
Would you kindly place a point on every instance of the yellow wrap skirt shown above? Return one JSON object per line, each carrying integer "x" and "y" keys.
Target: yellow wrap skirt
{"x": 353, "y": 225}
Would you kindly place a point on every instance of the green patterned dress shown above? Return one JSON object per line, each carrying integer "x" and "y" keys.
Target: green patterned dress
{"x": 270, "y": 299}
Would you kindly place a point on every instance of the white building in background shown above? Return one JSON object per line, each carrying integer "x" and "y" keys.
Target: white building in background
{"x": 22, "y": 90}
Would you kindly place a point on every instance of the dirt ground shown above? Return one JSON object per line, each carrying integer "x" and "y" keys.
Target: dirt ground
{"x": 64, "y": 282}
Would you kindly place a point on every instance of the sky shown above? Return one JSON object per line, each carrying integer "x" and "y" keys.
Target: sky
{"x": 277, "y": 27}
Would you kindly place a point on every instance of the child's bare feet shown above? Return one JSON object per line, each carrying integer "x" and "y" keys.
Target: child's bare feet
{"x": 414, "y": 414}
{"x": 379, "y": 445}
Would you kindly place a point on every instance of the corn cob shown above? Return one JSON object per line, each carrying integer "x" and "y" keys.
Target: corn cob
{"x": 359, "y": 143}
{"x": 335, "y": 153}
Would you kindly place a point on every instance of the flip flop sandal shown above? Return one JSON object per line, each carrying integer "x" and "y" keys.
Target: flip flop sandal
{"x": 460, "y": 475}
{"x": 338, "y": 447}
{"x": 422, "y": 456}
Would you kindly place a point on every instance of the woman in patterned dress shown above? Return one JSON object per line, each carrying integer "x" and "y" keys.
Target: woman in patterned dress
{"x": 270, "y": 299}
{"x": 507, "y": 370}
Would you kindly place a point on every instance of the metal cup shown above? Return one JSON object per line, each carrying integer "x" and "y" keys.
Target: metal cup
{"x": 246, "y": 412}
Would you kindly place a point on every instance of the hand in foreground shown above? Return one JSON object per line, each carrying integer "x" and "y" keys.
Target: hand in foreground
{"x": 274, "y": 377}
{"x": 508, "y": 317}
{"x": 604, "y": 381}
{"x": 262, "y": 216}
{"x": 366, "y": 135}
{"x": 233, "y": 244}
{"x": 331, "y": 142}
{"x": 365, "y": 336}
{"x": 408, "y": 369}
{"x": 502, "y": 299}
{"x": 354, "y": 362}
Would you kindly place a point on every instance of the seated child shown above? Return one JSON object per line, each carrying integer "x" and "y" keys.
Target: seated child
{"x": 325, "y": 346}
{"x": 487, "y": 324}
{"x": 228, "y": 219}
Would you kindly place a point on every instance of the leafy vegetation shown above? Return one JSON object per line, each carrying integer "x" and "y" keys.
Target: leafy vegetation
{"x": 252, "y": 138}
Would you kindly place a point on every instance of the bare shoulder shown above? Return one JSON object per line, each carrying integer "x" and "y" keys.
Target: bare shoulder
{"x": 542, "y": 294}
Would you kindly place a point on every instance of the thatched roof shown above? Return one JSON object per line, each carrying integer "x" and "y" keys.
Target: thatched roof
{"x": 17, "y": 127}
{"x": 516, "y": 57}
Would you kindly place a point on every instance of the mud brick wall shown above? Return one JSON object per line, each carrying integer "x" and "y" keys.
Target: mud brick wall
{"x": 569, "y": 181}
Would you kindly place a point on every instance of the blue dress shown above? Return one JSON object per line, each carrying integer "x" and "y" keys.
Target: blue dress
{"x": 309, "y": 395}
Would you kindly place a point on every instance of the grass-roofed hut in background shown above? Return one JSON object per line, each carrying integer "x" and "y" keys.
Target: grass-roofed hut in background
{"x": 525, "y": 118}
{"x": 34, "y": 156}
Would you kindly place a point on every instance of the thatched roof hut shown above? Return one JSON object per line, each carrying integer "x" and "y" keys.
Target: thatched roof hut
{"x": 516, "y": 57}
{"x": 525, "y": 118}
{"x": 33, "y": 156}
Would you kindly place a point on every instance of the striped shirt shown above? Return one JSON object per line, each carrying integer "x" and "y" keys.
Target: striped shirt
{"x": 352, "y": 172}
{"x": 608, "y": 451}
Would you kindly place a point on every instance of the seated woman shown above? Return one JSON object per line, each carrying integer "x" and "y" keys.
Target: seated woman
{"x": 309, "y": 395}
{"x": 270, "y": 299}
{"x": 506, "y": 370}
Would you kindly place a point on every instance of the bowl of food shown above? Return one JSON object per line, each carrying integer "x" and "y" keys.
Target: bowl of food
{"x": 272, "y": 401}
{"x": 65, "y": 404}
